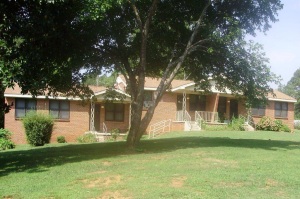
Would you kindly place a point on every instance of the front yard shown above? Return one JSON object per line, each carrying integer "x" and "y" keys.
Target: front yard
{"x": 175, "y": 165}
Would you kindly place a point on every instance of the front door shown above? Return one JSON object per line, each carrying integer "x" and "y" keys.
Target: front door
{"x": 234, "y": 108}
{"x": 97, "y": 117}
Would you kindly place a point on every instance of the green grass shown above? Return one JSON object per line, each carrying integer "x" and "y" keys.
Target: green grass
{"x": 175, "y": 165}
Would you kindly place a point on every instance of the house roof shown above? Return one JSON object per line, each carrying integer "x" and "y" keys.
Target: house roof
{"x": 279, "y": 96}
{"x": 153, "y": 83}
{"x": 98, "y": 92}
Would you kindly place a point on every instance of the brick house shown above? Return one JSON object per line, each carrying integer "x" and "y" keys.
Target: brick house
{"x": 180, "y": 102}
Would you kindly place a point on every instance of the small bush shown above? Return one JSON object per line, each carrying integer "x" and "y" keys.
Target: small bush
{"x": 114, "y": 134}
{"x": 38, "y": 128}
{"x": 285, "y": 128}
{"x": 237, "y": 124}
{"x": 5, "y": 140}
{"x": 61, "y": 139}
{"x": 267, "y": 124}
{"x": 87, "y": 138}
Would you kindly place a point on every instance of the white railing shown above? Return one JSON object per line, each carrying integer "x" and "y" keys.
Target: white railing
{"x": 198, "y": 119}
{"x": 179, "y": 116}
{"x": 104, "y": 128}
{"x": 188, "y": 120}
{"x": 208, "y": 116}
{"x": 249, "y": 121}
{"x": 160, "y": 127}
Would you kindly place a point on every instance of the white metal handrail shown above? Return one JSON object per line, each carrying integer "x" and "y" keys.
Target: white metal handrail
{"x": 188, "y": 119}
{"x": 198, "y": 119}
{"x": 160, "y": 127}
{"x": 104, "y": 128}
{"x": 208, "y": 116}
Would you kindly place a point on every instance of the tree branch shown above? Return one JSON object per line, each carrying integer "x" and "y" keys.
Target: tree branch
{"x": 137, "y": 15}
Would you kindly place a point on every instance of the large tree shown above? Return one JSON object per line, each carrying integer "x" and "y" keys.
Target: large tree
{"x": 205, "y": 38}
{"x": 157, "y": 38}
{"x": 42, "y": 47}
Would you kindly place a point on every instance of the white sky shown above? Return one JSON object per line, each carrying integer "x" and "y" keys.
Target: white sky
{"x": 282, "y": 42}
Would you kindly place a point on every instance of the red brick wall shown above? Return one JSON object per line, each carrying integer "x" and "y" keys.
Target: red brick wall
{"x": 122, "y": 126}
{"x": 76, "y": 126}
{"x": 270, "y": 112}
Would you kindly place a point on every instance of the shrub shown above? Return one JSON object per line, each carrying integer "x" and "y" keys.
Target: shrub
{"x": 237, "y": 124}
{"x": 38, "y": 128}
{"x": 87, "y": 138}
{"x": 114, "y": 134}
{"x": 267, "y": 124}
{"x": 61, "y": 139}
{"x": 5, "y": 140}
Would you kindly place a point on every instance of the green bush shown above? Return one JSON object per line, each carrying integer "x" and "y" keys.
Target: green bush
{"x": 237, "y": 124}
{"x": 114, "y": 134}
{"x": 5, "y": 140}
{"x": 87, "y": 138}
{"x": 61, "y": 139}
{"x": 285, "y": 128}
{"x": 38, "y": 128}
{"x": 267, "y": 124}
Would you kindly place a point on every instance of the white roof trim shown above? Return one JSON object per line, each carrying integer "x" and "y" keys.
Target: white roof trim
{"x": 117, "y": 90}
{"x": 150, "y": 89}
{"x": 41, "y": 97}
{"x": 282, "y": 100}
{"x": 183, "y": 86}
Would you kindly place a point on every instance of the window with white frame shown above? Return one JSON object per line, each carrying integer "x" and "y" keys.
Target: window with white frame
{"x": 259, "y": 110}
{"x": 114, "y": 112}
{"x": 23, "y": 106}
{"x": 281, "y": 109}
{"x": 59, "y": 109}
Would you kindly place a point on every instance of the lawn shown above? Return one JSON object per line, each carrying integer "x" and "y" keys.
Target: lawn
{"x": 175, "y": 165}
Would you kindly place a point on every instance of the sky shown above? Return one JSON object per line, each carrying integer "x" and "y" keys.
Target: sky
{"x": 282, "y": 42}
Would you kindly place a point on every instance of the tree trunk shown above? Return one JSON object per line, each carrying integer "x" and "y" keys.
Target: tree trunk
{"x": 2, "y": 107}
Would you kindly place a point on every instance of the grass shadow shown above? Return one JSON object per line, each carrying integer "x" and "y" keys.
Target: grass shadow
{"x": 40, "y": 159}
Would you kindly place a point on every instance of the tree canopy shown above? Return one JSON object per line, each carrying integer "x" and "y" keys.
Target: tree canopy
{"x": 157, "y": 38}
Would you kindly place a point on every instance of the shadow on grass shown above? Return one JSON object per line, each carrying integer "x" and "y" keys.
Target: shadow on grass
{"x": 40, "y": 159}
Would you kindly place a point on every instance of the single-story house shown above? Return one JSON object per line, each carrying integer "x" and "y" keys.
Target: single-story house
{"x": 181, "y": 101}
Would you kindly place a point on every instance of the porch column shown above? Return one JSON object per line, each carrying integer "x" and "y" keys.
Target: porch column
{"x": 92, "y": 118}
{"x": 183, "y": 105}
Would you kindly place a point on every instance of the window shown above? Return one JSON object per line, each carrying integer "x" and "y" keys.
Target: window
{"x": 197, "y": 102}
{"x": 281, "y": 109}
{"x": 59, "y": 109}
{"x": 259, "y": 110}
{"x": 114, "y": 112}
{"x": 148, "y": 97}
{"x": 23, "y": 106}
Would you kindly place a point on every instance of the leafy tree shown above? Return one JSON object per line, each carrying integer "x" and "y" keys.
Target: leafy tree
{"x": 156, "y": 38}
{"x": 205, "y": 38}
{"x": 292, "y": 88}
{"x": 42, "y": 47}
{"x": 103, "y": 80}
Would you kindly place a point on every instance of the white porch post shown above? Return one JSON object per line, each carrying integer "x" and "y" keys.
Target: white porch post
{"x": 92, "y": 122}
{"x": 183, "y": 105}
